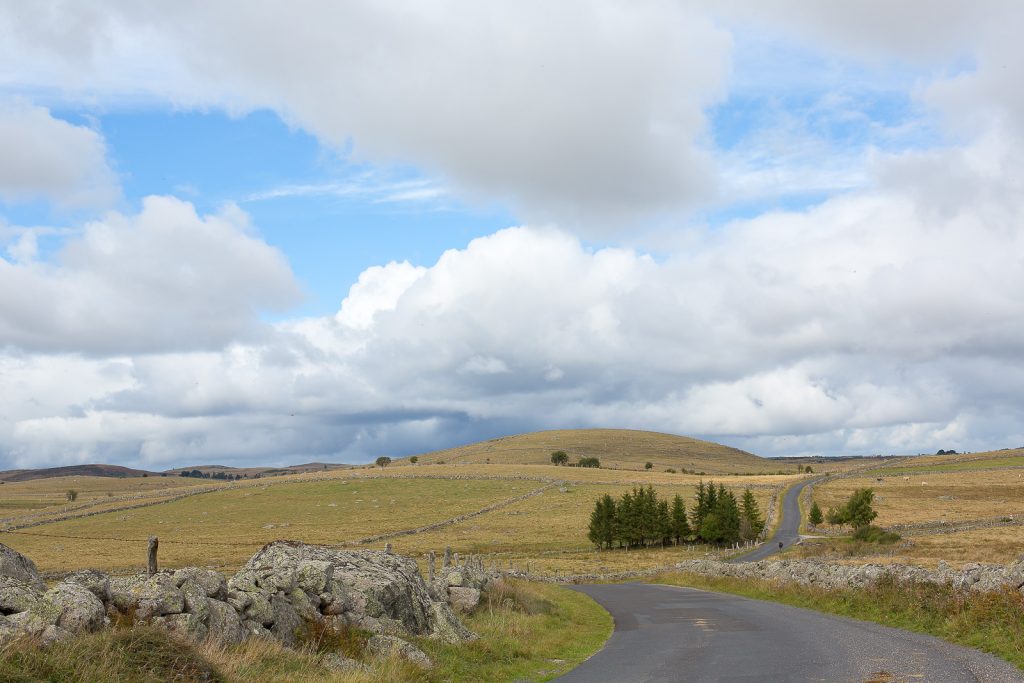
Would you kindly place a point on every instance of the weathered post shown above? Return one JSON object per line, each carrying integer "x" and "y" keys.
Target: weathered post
{"x": 447, "y": 562}
{"x": 431, "y": 559}
{"x": 387, "y": 548}
{"x": 456, "y": 559}
{"x": 154, "y": 543}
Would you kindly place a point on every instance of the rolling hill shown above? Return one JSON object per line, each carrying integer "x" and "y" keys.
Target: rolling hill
{"x": 95, "y": 470}
{"x": 619, "y": 448}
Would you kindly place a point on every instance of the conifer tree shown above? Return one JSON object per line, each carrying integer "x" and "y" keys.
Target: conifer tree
{"x": 814, "y": 516}
{"x": 752, "y": 524}
{"x": 664, "y": 518}
{"x": 680, "y": 525}
{"x": 602, "y": 522}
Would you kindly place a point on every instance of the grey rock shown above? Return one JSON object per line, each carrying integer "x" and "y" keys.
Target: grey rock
{"x": 213, "y": 583}
{"x": 455, "y": 578}
{"x": 303, "y": 605}
{"x": 463, "y": 600}
{"x": 336, "y": 662}
{"x": 288, "y": 625}
{"x": 16, "y": 566}
{"x": 314, "y": 575}
{"x": 71, "y": 607}
{"x": 384, "y": 646}
{"x": 188, "y": 626}
{"x": 224, "y": 624}
{"x": 195, "y": 598}
{"x": 373, "y": 589}
{"x": 17, "y": 595}
{"x": 96, "y": 582}
{"x": 259, "y": 610}
{"x": 158, "y": 596}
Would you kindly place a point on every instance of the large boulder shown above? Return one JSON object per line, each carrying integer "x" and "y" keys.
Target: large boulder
{"x": 67, "y": 606}
{"x": 223, "y": 623}
{"x": 213, "y": 583}
{"x": 17, "y": 596}
{"x": 16, "y": 566}
{"x": 379, "y": 591}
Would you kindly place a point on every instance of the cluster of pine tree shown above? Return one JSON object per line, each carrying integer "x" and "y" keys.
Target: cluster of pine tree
{"x": 639, "y": 518}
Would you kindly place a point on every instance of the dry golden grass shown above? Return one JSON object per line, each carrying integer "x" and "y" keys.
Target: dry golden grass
{"x": 621, "y": 448}
{"x": 330, "y": 511}
{"x": 1008, "y": 457}
{"x": 222, "y": 529}
{"x": 37, "y": 494}
{"x": 933, "y": 497}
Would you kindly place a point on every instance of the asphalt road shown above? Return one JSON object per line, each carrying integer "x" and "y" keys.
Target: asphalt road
{"x": 666, "y": 633}
{"x": 788, "y": 532}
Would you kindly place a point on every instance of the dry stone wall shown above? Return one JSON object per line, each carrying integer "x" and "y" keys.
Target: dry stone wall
{"x": 282, "y": 591}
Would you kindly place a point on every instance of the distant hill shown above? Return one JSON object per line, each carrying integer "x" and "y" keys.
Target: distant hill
{"x": 250, "y": 472}
{"x": 100, "y": 470}
{"x": 622, "y": 448}
{"x": 96, "y": 470}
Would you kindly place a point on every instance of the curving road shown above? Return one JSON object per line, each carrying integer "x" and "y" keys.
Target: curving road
{"x": 788, "y": 532}
{"x": 667, "y": 633}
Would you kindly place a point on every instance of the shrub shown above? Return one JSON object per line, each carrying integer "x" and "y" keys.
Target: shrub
{"x": 874, "y": 534}
{"x": 670, "y": 470}
{"x": 71, "y": 495}
{"x": 589, "y": 462}
{"x": 559, "y": 458}
{"x": 648, "y": 465}
{"x": 414, "y": 459}
{"x": 383, "y": 461}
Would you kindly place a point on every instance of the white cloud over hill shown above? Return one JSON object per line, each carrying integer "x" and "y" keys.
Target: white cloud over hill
{"x": 886, "y": 318}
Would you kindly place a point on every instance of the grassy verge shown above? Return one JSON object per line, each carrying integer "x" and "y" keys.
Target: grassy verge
{"x": 988, "y": 621}
{"x": 527, "y": 632}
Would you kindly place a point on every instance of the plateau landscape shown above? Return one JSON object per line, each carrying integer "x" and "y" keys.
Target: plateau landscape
{"x": 453, "y": 341}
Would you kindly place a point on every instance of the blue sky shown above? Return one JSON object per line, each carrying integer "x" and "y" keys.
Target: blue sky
{"x": 405, "y": 231}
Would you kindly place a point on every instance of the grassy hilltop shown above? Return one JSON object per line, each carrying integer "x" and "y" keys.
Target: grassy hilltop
{"x": 616, "y": 448}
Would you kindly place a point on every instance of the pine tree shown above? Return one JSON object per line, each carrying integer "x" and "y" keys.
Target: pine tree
{"x": 728, "y": 512}
{"x": 664, "y": 518}
{"x": 602, "y": 522}
{"x": 680, "y": 526}
{"x": 753, "y": 524}
{"x": 814, "y": 516}
{"x": 699, "y": 507}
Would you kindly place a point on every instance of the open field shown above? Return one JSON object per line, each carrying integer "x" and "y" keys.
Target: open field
{"x": 619, "y": 448}
{"x": 931, "y": 462}
{"x": 948, "y": 497}
{"x": 35, "y": 494}
{"x": 224, "y": 527}
{"x": 938, "y": 504}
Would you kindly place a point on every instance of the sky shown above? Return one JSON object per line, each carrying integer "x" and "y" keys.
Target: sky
{"x": 249, "y": 233}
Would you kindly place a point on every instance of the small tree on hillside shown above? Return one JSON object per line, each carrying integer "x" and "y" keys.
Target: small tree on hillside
{"x": 71, "y": 495}
{"x": 857, "y": 512}
{"x": 648, "y": 465}
{"x": 559, "y": 458}
{"x": 589, "y": 462}
{"x": 383, "y": 461}
{"x": 814, "y": 516}
{"x": 414, "y": 459}
{"x": 809, "y": 470}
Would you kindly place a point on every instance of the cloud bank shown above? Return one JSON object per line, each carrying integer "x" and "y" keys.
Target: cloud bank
{"x": 885, "y": 318}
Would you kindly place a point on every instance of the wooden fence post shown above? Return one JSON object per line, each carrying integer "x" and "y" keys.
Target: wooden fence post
{"x": 154, "y": 543}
